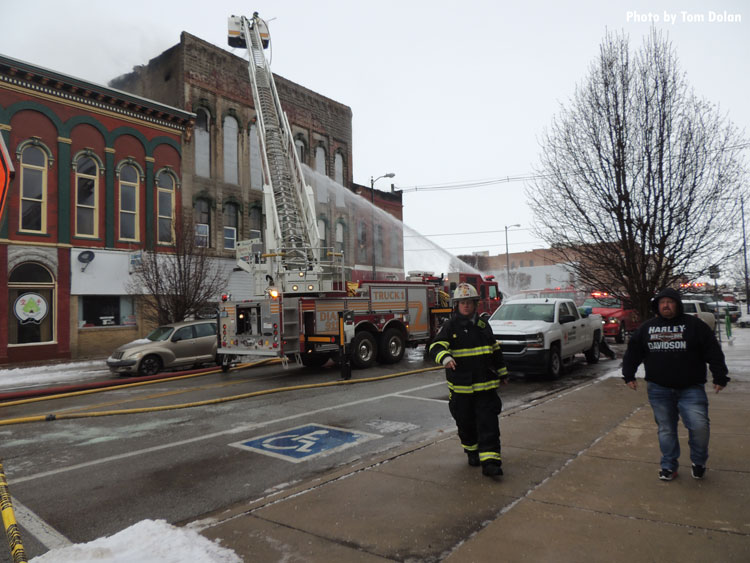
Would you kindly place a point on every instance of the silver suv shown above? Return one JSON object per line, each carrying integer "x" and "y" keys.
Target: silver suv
{"x": 174, "y": 345}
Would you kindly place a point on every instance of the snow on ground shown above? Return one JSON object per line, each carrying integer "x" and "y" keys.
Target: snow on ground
{"x": 52, "y": 374}
{"x": 148, "y": 541}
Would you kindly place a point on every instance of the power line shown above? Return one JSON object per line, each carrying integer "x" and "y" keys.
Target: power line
{"x": 467, "y": 233}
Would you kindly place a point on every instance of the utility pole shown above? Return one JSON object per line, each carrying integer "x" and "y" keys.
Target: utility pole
{"x": 744, "y": 256}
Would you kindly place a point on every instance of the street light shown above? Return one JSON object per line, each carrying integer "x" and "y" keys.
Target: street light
{"x": 372, "y": 213}
{"x": 507, "y": 257}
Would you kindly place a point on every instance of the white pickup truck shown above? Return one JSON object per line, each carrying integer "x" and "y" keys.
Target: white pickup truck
{"x": 540, "y": 335}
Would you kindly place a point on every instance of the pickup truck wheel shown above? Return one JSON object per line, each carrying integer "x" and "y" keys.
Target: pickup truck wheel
{"x": 554, "y": 363}
{"x": 391, "y": 346}
{"x": 593, "y": 353}
{"x": 364, "y": 350}
{"x": 620, "y": 337}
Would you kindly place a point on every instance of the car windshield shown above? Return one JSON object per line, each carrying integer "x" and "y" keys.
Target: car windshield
{"x": 688, "y": 307}
{"x": 160, "y": 333}
{"x": 525, "y": 312}
{"x": 606, "y": 302}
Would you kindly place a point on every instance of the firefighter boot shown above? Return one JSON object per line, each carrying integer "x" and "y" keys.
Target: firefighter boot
{"x": 492, "y": 469}
{"x": 473, "y": 458}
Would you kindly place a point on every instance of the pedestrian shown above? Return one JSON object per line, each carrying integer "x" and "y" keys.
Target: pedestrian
{"x": 474, "y": 368}
{"x": 674, "y": 348}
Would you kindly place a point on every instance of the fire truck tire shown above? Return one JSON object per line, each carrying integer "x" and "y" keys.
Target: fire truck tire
{"x": 226, "y": 362}
{"x": 620, "y": 337}
{"x": 391, "y": 346}
{"x": 314, "y": 360}
{"x": 364, "y": 350}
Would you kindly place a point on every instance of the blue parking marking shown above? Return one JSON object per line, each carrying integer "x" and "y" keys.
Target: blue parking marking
{"x": 305, "y": 442}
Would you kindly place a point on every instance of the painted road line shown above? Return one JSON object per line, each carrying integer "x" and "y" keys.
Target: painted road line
{"x": 229, "y": 431}
{"x": 34, "y": 525}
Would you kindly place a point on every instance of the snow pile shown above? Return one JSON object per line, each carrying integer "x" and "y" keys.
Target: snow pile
{"x": 146, "y": 542}
{"x": 52, "y": 374}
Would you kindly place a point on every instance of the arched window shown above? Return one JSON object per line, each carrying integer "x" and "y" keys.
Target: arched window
{"x": 338, "y": 168}
{"x": 323, "y": 232}
{"x": 320, "y": 160}
{"x": 165, "y": 207}
{"x": 202, "y": 223}
{"x": 256, "y": 222}
{"x": 379, "y": 244}
{"x": 87, "y": 197}
{"x": 230, "y": 150}
{"x": 202, "y": 143}
{"x": 301, "y": 149}
{"x": 340, "y": 243}
{"x": 129, "y": 203}
{"x": 31, "y": 304}
{"x": 362, "y": 249}
{"x": 33, "y": 209}
{"x": 256, "y": 168}
{"x": 230, "y": 225}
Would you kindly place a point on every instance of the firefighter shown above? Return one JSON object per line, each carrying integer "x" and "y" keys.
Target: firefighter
{"x": 474, "y": 368}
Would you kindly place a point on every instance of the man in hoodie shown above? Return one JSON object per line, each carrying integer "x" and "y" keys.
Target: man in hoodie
{"x": 674, "y": 348}
{"x": 474, "y": 368}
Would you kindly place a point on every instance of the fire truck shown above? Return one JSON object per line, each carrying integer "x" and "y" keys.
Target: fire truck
{"x": 302, "y": 308}
{"x": 490, "y": 297}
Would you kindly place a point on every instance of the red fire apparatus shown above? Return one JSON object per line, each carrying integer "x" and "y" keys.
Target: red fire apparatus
{"x": 302, "y": 307}
{"x": 489, "y": 294}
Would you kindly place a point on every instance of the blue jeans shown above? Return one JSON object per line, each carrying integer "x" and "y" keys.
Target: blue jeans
{"x": 691, "y": 404}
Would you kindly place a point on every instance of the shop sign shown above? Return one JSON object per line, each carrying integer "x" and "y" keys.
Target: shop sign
{"x": 30, "y": 308}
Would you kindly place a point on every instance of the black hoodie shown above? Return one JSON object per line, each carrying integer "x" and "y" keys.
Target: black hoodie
{"x": 674, "y": 351}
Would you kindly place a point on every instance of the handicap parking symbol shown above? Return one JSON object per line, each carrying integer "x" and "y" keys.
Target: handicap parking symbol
{"x": 305, "y": 442}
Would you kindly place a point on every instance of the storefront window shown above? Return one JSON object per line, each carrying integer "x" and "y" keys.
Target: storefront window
{"x": 105, "y": 310}
{"x": 31, "y": 305}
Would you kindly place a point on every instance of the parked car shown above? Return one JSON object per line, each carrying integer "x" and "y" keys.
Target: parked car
{"x": 724, "y": 307}
{"x": 619, "y": 319}
{"x": 744, "y": 320}
{"x": 700, "y": 309}
{"x": 169, "y": 346}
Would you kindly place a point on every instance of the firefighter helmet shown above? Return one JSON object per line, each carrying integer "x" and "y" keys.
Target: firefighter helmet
{"x": 465, "y": 291}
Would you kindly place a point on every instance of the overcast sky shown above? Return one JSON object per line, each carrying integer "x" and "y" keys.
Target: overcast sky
{"x": 441, "y": 92}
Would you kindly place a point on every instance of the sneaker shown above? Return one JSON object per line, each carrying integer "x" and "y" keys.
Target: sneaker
{"x": 699, "y": 471}
{"x": 492, "y": 469}
{"x": 667, "y": 474}
{"x": 473, "y": 458}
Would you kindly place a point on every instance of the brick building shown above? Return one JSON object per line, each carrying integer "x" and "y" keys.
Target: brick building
{"x": 98, "y": 177}
{"x": 222, "y": 183}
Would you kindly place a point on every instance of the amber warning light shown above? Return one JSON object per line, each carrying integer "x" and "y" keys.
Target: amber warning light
{"x": 6, "y": 174}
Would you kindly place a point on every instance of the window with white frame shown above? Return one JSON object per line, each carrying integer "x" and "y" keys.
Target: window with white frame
{"x": 33, "y": 208}
{"x": 202, "y": 223}
{"x": 165, "y": 211}
{"x": 320, "y": 160}
{"x": 300, "y": 146}
{"x": 230, "y": 145}
{"x": 230, "y": 225}
{"x": 338, "y": 177}
{"x": 87, "y": 198}
{"x": 202, "y": 136}
{"x": 129, "y": 203}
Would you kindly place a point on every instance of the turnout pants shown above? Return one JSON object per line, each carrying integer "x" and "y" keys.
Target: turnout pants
{"x": 476, "y": 415}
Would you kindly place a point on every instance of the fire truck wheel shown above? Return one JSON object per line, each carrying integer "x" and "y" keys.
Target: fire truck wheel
{"x": 620, "y": 337}
{"x": 364, "y": 350}
{"x": 314, "y": 360}
{"x": 226, "y": 362}
{"x": 391, "y": 346}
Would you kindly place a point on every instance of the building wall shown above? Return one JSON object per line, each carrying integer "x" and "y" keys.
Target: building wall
{"x": 65, "y": 119}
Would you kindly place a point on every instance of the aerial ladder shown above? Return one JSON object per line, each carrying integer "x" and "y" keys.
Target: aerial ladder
{"x": 290, "y": 259}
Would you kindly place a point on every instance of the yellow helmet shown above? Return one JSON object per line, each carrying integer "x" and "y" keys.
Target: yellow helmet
{"x": 465, "y": 291}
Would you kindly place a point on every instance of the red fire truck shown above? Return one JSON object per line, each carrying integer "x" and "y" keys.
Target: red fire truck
{"x": 489, "y": 294}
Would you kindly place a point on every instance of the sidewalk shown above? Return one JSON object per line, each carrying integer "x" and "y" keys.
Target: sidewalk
{"x": 580, "y": 484}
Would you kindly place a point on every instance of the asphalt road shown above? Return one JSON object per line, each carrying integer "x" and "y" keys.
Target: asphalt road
{"x": 81, "y": 479}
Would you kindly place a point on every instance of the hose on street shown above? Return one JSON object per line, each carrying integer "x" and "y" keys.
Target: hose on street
{"x": 12, "y": 533}
{"x": 69, "y": 416}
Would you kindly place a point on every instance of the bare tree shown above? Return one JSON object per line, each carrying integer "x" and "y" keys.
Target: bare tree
{"x": 177, "y": 284}
{"x": 639, "y": 178}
